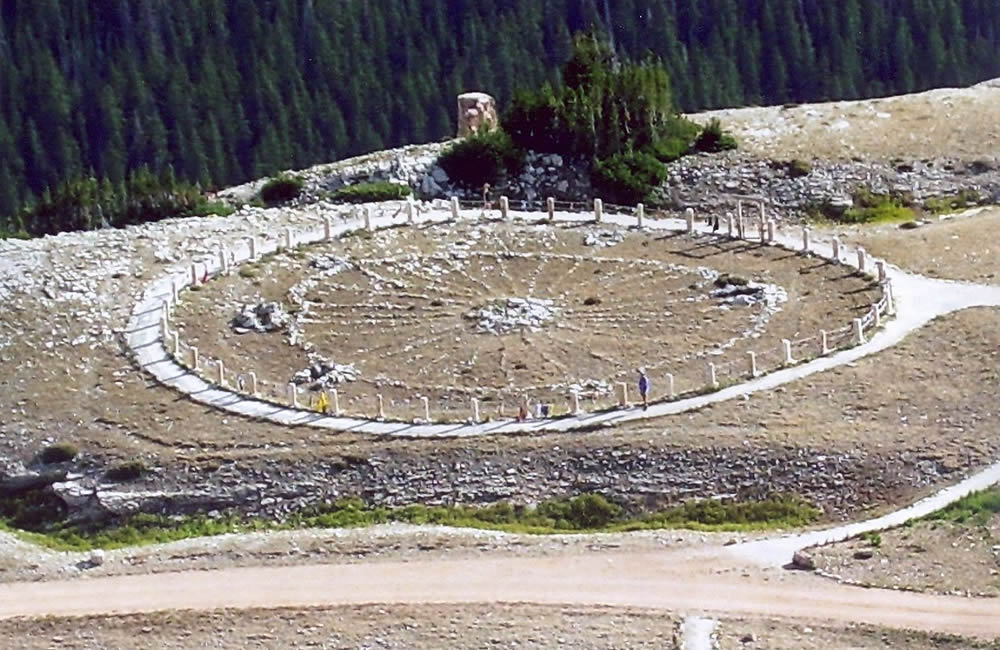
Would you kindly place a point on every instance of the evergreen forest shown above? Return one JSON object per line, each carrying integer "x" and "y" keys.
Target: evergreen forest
{"x": 214, "y": 92}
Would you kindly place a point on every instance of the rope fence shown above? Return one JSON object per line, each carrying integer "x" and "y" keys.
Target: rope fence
{"x": 404, "y": 404}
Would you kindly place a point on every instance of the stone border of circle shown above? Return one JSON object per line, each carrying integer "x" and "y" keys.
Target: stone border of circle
{"x": 149, "y": 336}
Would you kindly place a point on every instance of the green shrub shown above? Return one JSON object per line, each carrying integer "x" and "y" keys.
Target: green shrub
{"x": 713, "y": 139}
{"x": 977, "y": 508}
{"x": 482, "y": 158}
{"x": 371, "y": 192}
{"x": 942, "y": 205}
{"x": 629, "y": 177}
{"x": 60, "y": 452}
{"x": 873, "y": 539}
{"x": 280, "y": 189}
{"x": 126, "y": 471}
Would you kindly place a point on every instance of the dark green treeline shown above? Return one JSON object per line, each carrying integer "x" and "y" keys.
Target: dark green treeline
{"x": 227, "y": 90}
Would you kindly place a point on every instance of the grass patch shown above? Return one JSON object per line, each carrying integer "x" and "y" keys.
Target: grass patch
{"x": 61, "y": 452}
{"x": 248, "y": 271}
{"x": 587, "y": 513}
{"x": 129, "y": 470}
{"x": 868, "y": 208}
{"x": 964, "y": 200}
{"x": 976, "y": 508}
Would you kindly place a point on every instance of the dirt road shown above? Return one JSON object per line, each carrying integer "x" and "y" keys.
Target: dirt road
{"x": 703, "y": 581}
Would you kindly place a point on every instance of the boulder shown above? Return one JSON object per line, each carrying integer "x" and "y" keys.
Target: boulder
{"x": 804, "y": 561}
{"x": 477, "y": 113}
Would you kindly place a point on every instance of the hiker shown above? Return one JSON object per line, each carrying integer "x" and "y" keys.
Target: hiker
{"x": 715, "y": 224}
{"x": 644, "y": 388}
{"x": 522, "y": 411}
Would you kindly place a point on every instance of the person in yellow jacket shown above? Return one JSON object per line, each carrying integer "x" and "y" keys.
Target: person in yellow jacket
{"x": 322, "y": 402}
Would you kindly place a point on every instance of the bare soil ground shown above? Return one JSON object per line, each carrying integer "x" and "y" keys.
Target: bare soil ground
{"x": 438, "y": 626}
{"x": 929, "y": 556}
{"x": 962, "y": 247}
{"x": 963, "y": 123}
{"x": 401, "y": 315}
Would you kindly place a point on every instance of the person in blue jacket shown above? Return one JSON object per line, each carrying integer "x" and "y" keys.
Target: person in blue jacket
{"x": 644, "y": 388}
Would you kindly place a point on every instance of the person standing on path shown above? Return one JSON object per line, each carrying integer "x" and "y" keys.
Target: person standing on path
{"x": 644, "y": 388}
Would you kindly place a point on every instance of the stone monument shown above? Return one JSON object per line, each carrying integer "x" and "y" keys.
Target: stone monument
{"x": 477, "y": 113}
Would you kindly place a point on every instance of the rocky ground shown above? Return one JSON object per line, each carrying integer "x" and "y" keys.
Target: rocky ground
{"x": 437, "y": 626}
{"x": 928, "y": 556}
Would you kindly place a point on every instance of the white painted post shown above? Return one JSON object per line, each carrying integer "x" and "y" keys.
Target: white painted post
{"x": 760, "y": 208}
{"x": 550, "y": 205}
{"x": 194, "y": 275}
{"x": 670, "y": 386}
{"x": 475, "y": 411}
{"x": 175, "y": 344}
{"x": 335, "y": 402}
{"x": 381, "y": 407}
{"x": 739, "y": 209}
{"x": 824, "y": 339}
{"x": 504, "y": 207}
{"x": 836, "y": 248}
{"x": 713, "y": 381}
{"x": 289, "y": 239}
{"x": 876, "y": 316}
{"x": 729, "y": 224}
{"x": 770, "y": 230}
{"x": 195, "y": 361}
{"x": 576, "y": 404}
{"x": 327, "y": 228}
{"x": 762, "y": 226}
{"x": 623, "y": 394}
{"x": 223, "y": 259}
{"x": 862, "y": 259}
{"x": 753, "y": 364}
{"x": 427, "y": 409}
{"x": 640, "y": 214}
{"x": 252, "y": 383}
{"x": 367, "y": 214}
{"x": 252, "y": 245}
{"x": 164, "y": 328}
{"x": 174, "y": 292}
{"x": 880, "y": 265}
{"x": 805, "y": 239}
{"x": 786, "y": 348}
{"x": 293, "y": 395}
{"x": 454, "y": 208}
{"x": 859, "y": 331}
{"x": 598, "y": 210}
{"x": 689, "y": 216}
{"x": 221, "y": 373}
{"x": 890, "y": 301}
{"x": 741, "y": 231}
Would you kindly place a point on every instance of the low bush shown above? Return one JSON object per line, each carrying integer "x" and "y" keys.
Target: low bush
{"x": 483, "y": 158}
{"x": 976, "y": 508}
{"x": 126, "y": 471}
{"x": 965, "y": 199}
{"x": 371, "y": 192}
{"x": 60, "y": 452}
{"x": 713, "y": 139}
{"x": 280, "y": 189}
{"x": 628, "y": 178}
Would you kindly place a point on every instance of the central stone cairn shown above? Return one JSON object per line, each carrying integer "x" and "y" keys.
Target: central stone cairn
{"x": 507, "y": 315}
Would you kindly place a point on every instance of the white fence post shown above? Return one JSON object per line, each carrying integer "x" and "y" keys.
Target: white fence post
{"x": 176, "y": 344}
{"x": 195, "y": 280}
{"x": 335, "y": 401}
{"x": 576, "y": 403}
{"x": 880, "y": 265}
{"x": 550, "y": 205}
{"x": 475, "y": 411}
{"x": 454, "y": 208}
{"x": 174, "y": 292}
{"x": 713, "y": 380}
{"x": 689, "y": 217}
{"x": 427, "y": 409}
{"x": 786, "y": 348}
{"x": 890, "y": 301}
{"x": 862, "y": 259}
{"x": 504, "y": 207}
{"x": 195, "y": 360}
{"x": 876, "y": 316}
{"x": 408, "y": 210}
{"x": 762, "y": 225}
{"x": 367, "y": 215}
{"x": 836, "y": 248}
{"x": 640, "y": 214}
{"x": 252, "y": 380}
{"x": 598, "y": 210}
{"x": 289, "y": 239}
{"x": 671, "y": 392}
{"x": 623, "y": 394}
{"x": 293, "y": 395}
{"x": 770, "y": 230}
{"x": 220, "y": 377}
{"x": 859, "y": 331}
{"x": 729, "y": 225}
{"x": 380, "y": 413}
{"x": 753, "y": 364}
{"x": 327, "y": 228}
{"x": 824, "y": 339}
{"x": 805, "y": 239}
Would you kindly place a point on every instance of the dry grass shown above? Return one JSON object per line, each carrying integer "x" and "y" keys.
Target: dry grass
{"x": 960, "y": 248}
{"x": 962, "y": 123}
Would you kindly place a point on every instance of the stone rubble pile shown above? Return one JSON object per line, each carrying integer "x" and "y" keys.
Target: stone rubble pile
{"x": 752, "y": 293}
{"x": 324, "y": 373}
{"x": 262, "y": 317}
{"x": 604, "y": 238}
{"x": 513, "y": 314}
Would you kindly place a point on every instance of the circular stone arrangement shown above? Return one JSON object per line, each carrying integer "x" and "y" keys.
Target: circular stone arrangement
{"x": 406, "y": 321}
